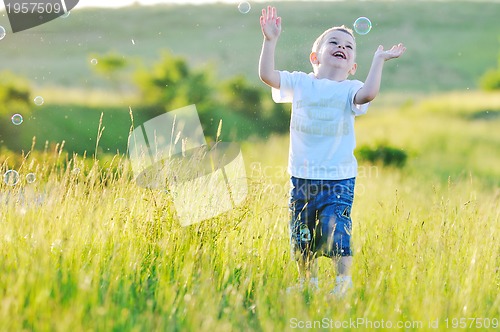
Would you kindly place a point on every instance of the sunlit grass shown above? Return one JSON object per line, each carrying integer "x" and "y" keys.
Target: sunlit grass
{"x": 453, "y": 134}
{"x": 90, "y": 97}
{"x": 85, "y": 248}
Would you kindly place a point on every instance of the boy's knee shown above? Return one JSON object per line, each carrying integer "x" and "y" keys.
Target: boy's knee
{"x": 338, "y": 233}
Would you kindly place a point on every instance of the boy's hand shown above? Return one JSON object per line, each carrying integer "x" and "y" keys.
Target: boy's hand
{"x": 395, "y": 52}
{"x": 270, "y": 23}
{"x": 372, "y": 83}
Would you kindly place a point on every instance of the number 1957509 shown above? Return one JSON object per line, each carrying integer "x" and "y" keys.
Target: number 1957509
{"x": 471, "y": 322}
{"x": 34, "y": 8}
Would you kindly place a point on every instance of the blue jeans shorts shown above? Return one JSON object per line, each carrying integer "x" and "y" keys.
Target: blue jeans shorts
{"x": 321, "y": 222}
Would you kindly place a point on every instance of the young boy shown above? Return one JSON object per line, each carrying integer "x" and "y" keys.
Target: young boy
{"x": 322, "y": 140}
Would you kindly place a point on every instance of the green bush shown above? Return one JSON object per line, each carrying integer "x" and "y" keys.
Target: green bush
{"x": 490, "y": 80}
{"x": 171, "y": 84}
{"x": 382, "y": 153}
{"x": 14, "y": 94}
{"x": 245, "y": 108}
{"x": 14, "y": 98}
{"x": 252, "y": 101}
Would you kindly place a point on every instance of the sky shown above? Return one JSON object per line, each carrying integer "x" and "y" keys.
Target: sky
{"x": 123, "y": 3}
{"x": 120, "y": 3}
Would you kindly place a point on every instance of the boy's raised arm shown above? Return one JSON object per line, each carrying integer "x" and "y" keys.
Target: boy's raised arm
{"x": 372, "y": 83}
{"x": 270, "y": 24}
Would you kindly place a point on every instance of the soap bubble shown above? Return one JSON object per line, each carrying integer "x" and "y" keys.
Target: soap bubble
{"x": 38, "y": 100}
{"x": 120, "y": 202}
{"x": 93, "y": 61}
{"x": 17, "y": 119}
{"x": 30, "y": 177}
{"x": 244, "y": 7}
{"x": 11, "y": 177}
{"x": 2, "y": 32}
{"x": 362, "y": 25}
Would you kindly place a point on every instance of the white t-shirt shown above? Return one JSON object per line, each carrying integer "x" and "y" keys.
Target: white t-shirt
{"x": 322, "y": 139}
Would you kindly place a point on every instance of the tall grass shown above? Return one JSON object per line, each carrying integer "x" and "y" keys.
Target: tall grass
{"x": 84, "y": 248}
{"x": 447, "y": 135}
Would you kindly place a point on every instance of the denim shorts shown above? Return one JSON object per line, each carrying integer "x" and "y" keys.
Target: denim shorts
{"x": 321, "y": 222}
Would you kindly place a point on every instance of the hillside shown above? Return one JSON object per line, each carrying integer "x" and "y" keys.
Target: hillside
{"x": 449, "y": 44}
{"x": 449, "y": 47}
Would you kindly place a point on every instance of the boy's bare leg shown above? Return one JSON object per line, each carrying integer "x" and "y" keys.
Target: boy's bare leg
{"x": 308, "y": 270}
{"x": 343, "y": 281}
{"x": 303, "y": 275}
{"x": 344, "y": 266}
{"x": 313, "y": 275}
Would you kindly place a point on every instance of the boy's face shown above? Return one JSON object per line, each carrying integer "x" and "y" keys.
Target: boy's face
{"x": 337, "y": 50}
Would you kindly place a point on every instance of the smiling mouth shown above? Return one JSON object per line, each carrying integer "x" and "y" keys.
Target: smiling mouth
{"x": 339, "y": 55}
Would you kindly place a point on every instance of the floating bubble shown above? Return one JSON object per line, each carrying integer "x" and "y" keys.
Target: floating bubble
{"x": 17, "y": 119}
{"x": 11, "y": 177}
{"x": 30, "y": 177}
{"x": 94, "y": 61}
{"x": 244, "y": 7}
{"x": 120, "y": 202}
{"x": 2, "y": 32}
{"x": 38, "y": 100}
{"x": 362, "y": 25}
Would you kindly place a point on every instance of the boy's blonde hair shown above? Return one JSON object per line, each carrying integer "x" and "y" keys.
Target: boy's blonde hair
{"x": 319, "y": 40}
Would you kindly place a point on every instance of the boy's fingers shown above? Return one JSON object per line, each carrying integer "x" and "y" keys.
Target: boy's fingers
{"x": 269, "y": 16}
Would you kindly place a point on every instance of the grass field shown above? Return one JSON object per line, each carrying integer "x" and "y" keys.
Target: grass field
{"x": 55, "y": 57}
{"x": 84, "y": 248}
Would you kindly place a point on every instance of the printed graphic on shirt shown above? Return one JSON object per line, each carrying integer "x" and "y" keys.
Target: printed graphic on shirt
{"x": 306, "y": 126}
{"x": 321, "y": 109}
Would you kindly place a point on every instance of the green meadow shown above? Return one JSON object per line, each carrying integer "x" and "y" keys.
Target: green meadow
{"x": 86, "y": 249}
{"x": 449, "y": 43}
